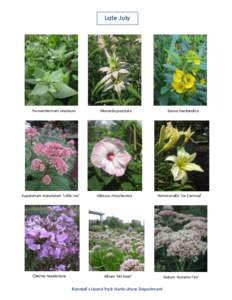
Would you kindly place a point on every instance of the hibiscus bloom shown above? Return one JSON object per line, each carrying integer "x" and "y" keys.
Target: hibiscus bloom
{"x": 109, "y": 155}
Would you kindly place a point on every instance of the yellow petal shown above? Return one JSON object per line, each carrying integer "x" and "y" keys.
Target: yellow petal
{"x": 192, "y": 167}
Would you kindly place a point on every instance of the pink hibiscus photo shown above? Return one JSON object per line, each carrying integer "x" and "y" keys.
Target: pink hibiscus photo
{"x": 115, "y": 155}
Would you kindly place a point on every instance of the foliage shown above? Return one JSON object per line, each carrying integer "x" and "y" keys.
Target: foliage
{"x": 51, "y": 156}
{"x": 51, "y": 63}
{"x": 114, "y": 70}
{"x": 180, "y": 238}
{"x": 52, "y": 238}
{"x": 116, "y": 249}
{"x": 129, "y": 133}
{"x": 180, "y": 69}
{"x": 177, "y": 166}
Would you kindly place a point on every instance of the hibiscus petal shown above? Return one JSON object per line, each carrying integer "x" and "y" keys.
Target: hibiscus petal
{"x": 98, "y": 154}
{"x": 109, "y": 168}
{"x": 114, "y": 141}
{"x": 123, "y": 158}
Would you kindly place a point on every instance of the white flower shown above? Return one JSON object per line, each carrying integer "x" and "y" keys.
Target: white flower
{"x": 183, "y": 164}
{"x": 109, "y": 155}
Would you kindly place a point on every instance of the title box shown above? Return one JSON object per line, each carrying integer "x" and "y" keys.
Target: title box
{"x": 117, "y": 18}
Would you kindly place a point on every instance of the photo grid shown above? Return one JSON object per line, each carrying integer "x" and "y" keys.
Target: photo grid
{"x": 126, "y": 178}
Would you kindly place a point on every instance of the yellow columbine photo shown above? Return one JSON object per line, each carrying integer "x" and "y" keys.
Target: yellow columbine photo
{"x": 182, "y": 165}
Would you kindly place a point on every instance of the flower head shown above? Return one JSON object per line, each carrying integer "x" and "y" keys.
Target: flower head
{"x": 71, "y": 142}
{"x": 183, "y": 164}
{"x": 188, "y": 133}
{"x": 110, "y": 155}
{"x": 37, "y": 164}
{"x": 46, "y": 180}
{"x": 31, "y": 133}
{"x": 131, "y": 265}
{"x": 183, "y": 82}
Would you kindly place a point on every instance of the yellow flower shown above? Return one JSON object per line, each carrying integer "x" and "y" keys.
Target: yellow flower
{"x": 168, "y": 130}
{"x": 165, "y": 133}
{"x": 197, "y": 61}
{"x": 182, "y": 165}
{"x": 192, "y": 57}
{"x": 202, "y": 81}
{"x": 179, "y": 87}
{"x": 172, "y": 140}
{"x": 177, "y": 77}
{"x": 195, "y": 69}
{"x": 183, "y": 82}
{"x": 188, "y": 133}
{"x": 189, "y": 81}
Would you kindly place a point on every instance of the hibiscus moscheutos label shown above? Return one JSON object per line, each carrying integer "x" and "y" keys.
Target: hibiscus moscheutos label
{"x": 110, "y": 155}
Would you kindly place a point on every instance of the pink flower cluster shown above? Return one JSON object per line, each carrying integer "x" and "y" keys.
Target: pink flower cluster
{"x": 31, "y": 133}
{"x": 54, "y": 155}
{"x": 46, "y": 180}
{"x": 182, "y": 235}
{"x": 131, "y": 265}
{"x": 37, "y": 165}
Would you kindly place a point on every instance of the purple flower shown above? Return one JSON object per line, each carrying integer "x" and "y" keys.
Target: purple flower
{"x": 54, "y": 238}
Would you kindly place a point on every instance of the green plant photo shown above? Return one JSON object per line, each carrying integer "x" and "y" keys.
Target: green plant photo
{"x": 115, "y": 244}
{"x": 114, "y": 69}
{"x": 51, "y": 69}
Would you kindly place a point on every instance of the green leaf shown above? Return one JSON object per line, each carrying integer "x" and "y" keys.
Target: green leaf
{"x": 107, "y": 179}
{"x": 163, "y": 100}
{"x": 164, "y": 90}
{"x": 127, "y": 186}
{"x": 39, "y": 73}
{"x": 39, "y": 89}
{"x": 137, "y": 178}
{"x": 129, "y": 101}
{"x": 63, "y": 91}
{"x": 95, "y": 184}
{"x": 134, "y": 92}
{"x": 56, "y": 76}
{"x": 108, "y": 101}
{"x": 75, "y": 77}
{"x": 99, "y": 86}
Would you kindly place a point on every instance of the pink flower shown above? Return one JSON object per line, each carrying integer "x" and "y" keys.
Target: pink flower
{"x": 71, "y": 142}
{"x": 60, "y": 165}
{"x": 62, "y": 136}
{"x": 38, "y": 148}
{"x": 52, "y": 150}
{"x": 109, "y": 155}
{"x": 37, "y": 164}
{"x": 46, "y": 180}
{"x": 31, "y": 132}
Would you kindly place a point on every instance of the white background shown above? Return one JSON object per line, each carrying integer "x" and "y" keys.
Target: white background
{"x": 156, "y": 17}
